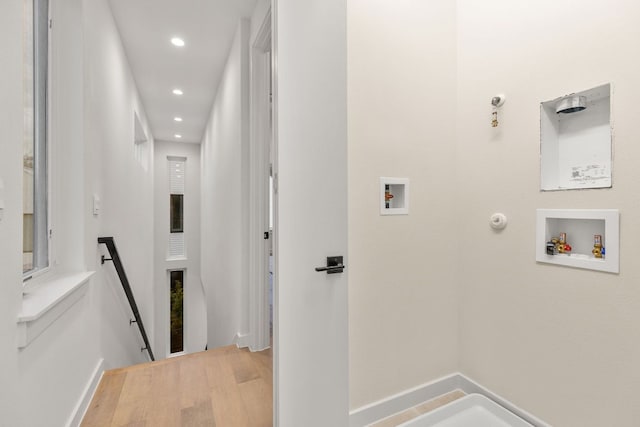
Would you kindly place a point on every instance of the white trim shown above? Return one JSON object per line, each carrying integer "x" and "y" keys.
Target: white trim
{"x": 242, "y": 340}
{"x": 391, "y": 405}
{"x": 402, "y": 401}
{"x": 466, "y": 407}
{"x": 87, "y": 395}
{"x": 50, "y": 158}
{"x": 276, "y": 209}
{"x": 47, "y": 301}
{"x": 259, "y": 336}
{"x": 470, "y": 386}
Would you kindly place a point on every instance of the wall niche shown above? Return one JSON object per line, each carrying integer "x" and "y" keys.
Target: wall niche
{"x": 575, "y": 141}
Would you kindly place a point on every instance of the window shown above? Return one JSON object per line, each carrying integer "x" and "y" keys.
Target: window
{"x": 176, "y": 297}
{"x": 177, "y": 208}
{"x": 177, "y": 171}
{"x": 35, "y": 247}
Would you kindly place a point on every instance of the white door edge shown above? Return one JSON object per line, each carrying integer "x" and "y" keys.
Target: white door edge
{"x": 259, "y": 334}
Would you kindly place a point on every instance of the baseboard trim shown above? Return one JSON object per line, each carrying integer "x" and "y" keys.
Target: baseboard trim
{"x": 83, "y": 404}
{"x": 368, "y": 414}
{"x": 387, "y": 407}
{"x": 242, "y": 340}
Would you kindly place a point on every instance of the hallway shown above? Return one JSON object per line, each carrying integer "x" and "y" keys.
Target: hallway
{"x": 226, "y": 386}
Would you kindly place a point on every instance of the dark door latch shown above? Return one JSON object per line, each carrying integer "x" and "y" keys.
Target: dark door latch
{"x": 334, "y": 265}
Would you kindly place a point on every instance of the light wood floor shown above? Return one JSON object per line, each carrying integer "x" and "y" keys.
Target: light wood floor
{"x": 224, "y": 387}
{"x": 220, "y": 387}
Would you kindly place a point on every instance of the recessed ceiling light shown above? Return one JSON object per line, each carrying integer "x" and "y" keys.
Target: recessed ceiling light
{"x": 177, "y": 92}
{"x": 178, "y": 136}
{"x": 177, "y": 119}
{"x": 177, "y": 41}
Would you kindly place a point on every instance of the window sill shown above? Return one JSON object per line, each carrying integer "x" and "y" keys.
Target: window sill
{"x": 47, "y": 301}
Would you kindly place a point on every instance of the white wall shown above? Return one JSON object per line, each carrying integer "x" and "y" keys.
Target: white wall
{"x": 562, "y": 343}
{"x": 124, "y": 186}
{"x": 122, "y": 183}
{"x": 258, "y": 15}
{"x": 459, "y": 296}
{"x": 69, "y": 350}
{"x": 402, "y": 274}
{"x": 92, "y": 145}
{"x": 11, "y": 123}
{"x": 195, "y": 320}
{"x": 225, "y": 160}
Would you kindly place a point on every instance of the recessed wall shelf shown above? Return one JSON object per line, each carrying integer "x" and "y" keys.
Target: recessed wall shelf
{"x": 580, "y": 227}
{"x": 575, "y": 140}
{"x": 394, "y": 196}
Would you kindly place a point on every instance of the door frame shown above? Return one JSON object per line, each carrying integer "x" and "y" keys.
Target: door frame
{"x": 259, "y": 163}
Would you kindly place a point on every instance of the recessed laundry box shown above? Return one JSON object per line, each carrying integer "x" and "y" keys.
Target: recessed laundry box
{"x": 592, "y": 237}
{"x": 394, "y": 196}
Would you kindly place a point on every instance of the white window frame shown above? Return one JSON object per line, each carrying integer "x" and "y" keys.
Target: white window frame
{"x": 42, "y": 246}
{"x": 184, "y": 314}
{"x": 179, "y": 235}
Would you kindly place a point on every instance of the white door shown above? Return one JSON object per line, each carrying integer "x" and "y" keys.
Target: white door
{"x": 310, "y": 119}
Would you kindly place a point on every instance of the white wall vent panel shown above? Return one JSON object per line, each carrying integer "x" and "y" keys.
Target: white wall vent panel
{"x": 177, "y": 170}
{"x": 176, "y": 246}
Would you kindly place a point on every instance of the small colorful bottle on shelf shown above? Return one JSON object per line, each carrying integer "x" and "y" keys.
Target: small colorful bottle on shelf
{"x": 597, "y": 246}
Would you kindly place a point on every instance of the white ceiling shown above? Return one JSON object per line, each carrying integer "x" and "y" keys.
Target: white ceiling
{"x": 207, "y": 27}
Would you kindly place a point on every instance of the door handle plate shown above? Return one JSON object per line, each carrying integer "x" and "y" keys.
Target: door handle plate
{"x": 335, "y": 264}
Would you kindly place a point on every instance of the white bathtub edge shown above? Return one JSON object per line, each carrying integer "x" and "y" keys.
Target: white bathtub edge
{"x": 402, "y": 401}
{"x": 470, "y": 386}
{"x": 482, "y": 407}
